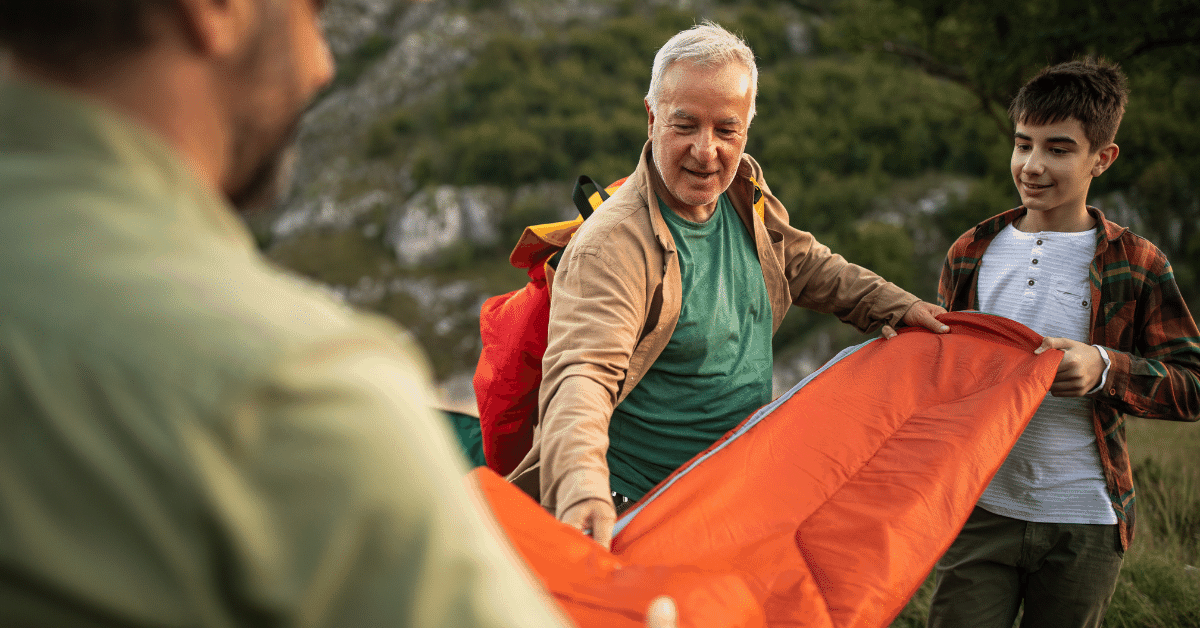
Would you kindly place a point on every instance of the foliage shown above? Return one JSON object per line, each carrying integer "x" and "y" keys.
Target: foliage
{"x": 834, "y": 133}
{"x": 860, "y": 102}
{"x": 353, "y": 65}
{"x": 834, "y": 130}
{"x": 538, "y": 109}
{"x": 991, "y": 48}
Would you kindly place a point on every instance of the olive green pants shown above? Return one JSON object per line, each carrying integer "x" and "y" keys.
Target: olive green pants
{"x": 1064, "y": 573}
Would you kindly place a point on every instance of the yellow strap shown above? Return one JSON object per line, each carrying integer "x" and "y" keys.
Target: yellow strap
{"x": 543, "y": 230}
{"x": 760, "y": 201}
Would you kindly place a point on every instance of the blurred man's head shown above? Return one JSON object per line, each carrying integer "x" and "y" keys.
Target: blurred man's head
{"x": 256, "y": 65}
{"x": 77, "y": 37}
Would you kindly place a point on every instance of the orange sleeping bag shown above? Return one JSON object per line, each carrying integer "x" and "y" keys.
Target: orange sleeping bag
{"x": 825, "y": 508}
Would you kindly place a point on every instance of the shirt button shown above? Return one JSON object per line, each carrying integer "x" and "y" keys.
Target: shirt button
{"x": 1034, "y": 261}
{"x": 1031, "y": 282}
{"x": 1039, "y": 242}
{"x": 1112, "y": 391}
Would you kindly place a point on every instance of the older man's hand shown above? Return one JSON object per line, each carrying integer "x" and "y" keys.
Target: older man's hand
{"x": 597, "y": 516}
{"x": 922, "y": 314}
{"x": 594, "y": 517}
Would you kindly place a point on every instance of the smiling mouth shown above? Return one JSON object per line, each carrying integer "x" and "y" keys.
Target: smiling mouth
{"x": 1035, "y": 186}
{"x": 698, "y": 174}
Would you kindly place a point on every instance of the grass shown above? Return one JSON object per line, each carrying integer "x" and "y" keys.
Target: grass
{"x": 1159, "y": 586}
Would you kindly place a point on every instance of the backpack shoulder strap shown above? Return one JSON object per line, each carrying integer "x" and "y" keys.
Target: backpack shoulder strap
{"x": 586, "y": 203}
{"x": 760, "y": 201}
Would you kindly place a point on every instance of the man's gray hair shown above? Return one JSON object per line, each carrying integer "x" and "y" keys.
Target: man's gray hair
{"x": 707, "y": 44}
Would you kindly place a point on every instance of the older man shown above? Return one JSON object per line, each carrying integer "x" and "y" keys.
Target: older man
{"x": 665, "y": 302}
{"x": 192, "y": 437}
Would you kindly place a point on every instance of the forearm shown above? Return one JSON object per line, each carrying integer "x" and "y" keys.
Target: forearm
{"x": 574, "y": 444}
{"x": 826, "y": 282}
{"x": 821, "y": 280}
{"x": 1153, "y": 389}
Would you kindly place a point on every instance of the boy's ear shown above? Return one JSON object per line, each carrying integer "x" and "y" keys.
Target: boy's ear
{"x": 1105, "y": 158}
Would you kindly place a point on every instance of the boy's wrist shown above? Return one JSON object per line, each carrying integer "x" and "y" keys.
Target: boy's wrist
{"x": 1104, "y": 375}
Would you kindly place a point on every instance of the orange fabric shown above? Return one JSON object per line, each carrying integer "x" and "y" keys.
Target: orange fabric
{"x": 597, "y": 589}
{"x": 830, "y": 505}
{"x": 840, "y": 500}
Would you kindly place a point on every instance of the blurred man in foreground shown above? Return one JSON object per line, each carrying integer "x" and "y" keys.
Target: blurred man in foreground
{"x": 191, "y": 436}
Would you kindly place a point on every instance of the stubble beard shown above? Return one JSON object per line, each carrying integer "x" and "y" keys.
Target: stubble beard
{"x": 264, "y": 154}
{"x": 271, "y": 179}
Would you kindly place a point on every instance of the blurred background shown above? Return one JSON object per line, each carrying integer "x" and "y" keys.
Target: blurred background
{"x": 881, "y": 125}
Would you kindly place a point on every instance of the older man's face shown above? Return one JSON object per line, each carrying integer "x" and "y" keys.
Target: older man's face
{"x": 286, "y": 63}
{"x": 698, "y": 129}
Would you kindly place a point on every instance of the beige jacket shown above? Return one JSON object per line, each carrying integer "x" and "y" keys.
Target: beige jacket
{"x": 616, "y": 301}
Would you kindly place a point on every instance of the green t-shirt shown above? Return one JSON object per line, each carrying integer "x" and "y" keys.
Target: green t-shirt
{"x": 715, "y": 370}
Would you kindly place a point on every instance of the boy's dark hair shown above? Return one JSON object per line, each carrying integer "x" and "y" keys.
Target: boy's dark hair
{"x": 1092, "y": 91}
{"x": 75, "y": 35}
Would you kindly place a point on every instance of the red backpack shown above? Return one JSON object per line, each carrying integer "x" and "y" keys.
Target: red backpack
{"x": 513, "y": 329}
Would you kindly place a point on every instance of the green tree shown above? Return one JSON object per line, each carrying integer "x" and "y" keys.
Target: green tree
{"x": 990, "y": 48}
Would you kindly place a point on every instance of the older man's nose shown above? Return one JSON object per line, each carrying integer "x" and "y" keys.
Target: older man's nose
{"x": 705, "y": 148}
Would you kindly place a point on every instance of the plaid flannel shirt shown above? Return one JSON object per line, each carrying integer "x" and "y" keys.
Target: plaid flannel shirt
{"x": 1138, "y": 315}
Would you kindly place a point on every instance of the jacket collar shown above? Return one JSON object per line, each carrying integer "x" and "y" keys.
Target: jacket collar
{"x": 651, "y": 188}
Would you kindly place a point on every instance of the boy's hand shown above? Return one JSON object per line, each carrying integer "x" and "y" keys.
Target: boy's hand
{"x": 1080, "y": 369}
{"x": 920, "y": 313}
{"x": 594, "y": 517}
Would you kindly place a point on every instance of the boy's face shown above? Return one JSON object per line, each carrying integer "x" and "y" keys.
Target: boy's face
{"x": 1053, "y": 166}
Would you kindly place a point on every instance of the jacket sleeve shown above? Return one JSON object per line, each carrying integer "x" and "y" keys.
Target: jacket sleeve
{"x": 1154, "y": 346}
{"x": 955, "y": 269}
{"x": 596, "y": 318}
{"x": 339, "y": 498}
{"x": 945, "y": 294}
{"x": 824, "y": 281}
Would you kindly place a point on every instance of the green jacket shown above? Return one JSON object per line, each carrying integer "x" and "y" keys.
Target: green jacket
{"x": 192, "y": 437}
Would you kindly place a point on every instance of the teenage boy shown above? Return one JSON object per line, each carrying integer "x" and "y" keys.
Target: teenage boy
{"x": 1052, "y": 527}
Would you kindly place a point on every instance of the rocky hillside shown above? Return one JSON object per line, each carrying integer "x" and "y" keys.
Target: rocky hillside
{"x": 372, "y": 218}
